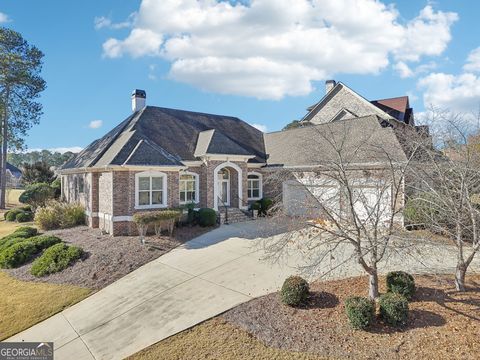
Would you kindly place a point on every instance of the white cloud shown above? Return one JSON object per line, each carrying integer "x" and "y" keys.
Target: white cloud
{"x": 101, "y": 22}
{"x": 74, "y": 149}
{"x": 403, "y": 70}
{"x": 262, "y": 128}
{"x": 4, "y": 18}
{"x": 473, "y": 61}
{"x": 270, "y": 49}
{"x": 95, "y": 124}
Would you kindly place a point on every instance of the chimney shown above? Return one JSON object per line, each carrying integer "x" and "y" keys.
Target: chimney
{"x": 329, "y": 85}
{"x": 139, "y": 99}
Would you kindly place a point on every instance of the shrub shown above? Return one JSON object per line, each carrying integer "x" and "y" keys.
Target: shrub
{"x": 394, "y": 309}
{"x": 37, "y": 194}
{"x": 265, "y": 205}
{"x": 26, "y": 208}
{"x": 25, "y": 231}
{"x": 360, "y": 312}
{"x": 9, "y": 242}
{"x": 151, "y": 217}
{"x": 5, "y": 214}
{"x": 42, "y": 242}
{"x": 401, "y": 282}
{"x": 24, "y": 217}
{"x": 12, "y": 214}
{"x": 56, "y": 185}
{"x": 17, "y": 254}
{"x": 56, "y": 258}
{"x": 59, "y": 215}
{"x": 294, "y": 291}
{"x": 207, "y": 217}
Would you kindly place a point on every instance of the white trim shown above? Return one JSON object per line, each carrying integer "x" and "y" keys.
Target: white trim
{"x": 260, "y": 178}
{"x": 197, "y": 187}
{"x": 122, "y": 218}
{"x": 227, "y": 181}
{"x": 256, "y": 165}
{"x": 121, "y": 168}
{"x": 151, "y": 174}
{"x": 133, "y": 151}
{"x": 226, "y": 157}
{"x": 192, "y": 163}
{"x": 215, "y": 183}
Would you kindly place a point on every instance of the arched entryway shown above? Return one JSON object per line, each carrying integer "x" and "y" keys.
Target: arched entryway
{"x": 227, "y": 187}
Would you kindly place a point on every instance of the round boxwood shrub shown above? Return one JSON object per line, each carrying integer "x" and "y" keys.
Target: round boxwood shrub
{"x": 401, "y": 282}
{"x": 56, "y": 258}
{"x": 360, "y": 312}
{"x": 24, "y": 217}
{"x": 394, "y": 309}
{"x": 207, "y": 217}
{"x": 294, "y": 291}
{"x": 12, "y": 214}
{"x": 17, "y": 254}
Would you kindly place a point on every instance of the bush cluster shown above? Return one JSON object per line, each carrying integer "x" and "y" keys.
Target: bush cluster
{"x": 206, "y": 217}
{"x": 401, "y": 282}
{"x": 394, "y": 309}
{"x": 360, "y": 312}
{"x": 262, "y": 205}
{"x": 152, "y": 217}
{"x": 22, "y": 232}
{"x": 19, "y": 214}
{"x": 56, "y": 258}
{"x": 59, "y": 215}
{"x": 17, "y": 254}
{"x": 294, "y": 291}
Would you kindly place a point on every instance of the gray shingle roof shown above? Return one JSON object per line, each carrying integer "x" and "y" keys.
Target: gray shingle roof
{"x": 359, "y": 140}
{"x": 14, "y": 170}
{"x": 169, "y": 136}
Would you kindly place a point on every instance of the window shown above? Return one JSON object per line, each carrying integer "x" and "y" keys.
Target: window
{"x": 81, "y": 184}
{"x": 151, "y": 190}
{"x": 254, "y": 186}
{"x": 188, "y": 188}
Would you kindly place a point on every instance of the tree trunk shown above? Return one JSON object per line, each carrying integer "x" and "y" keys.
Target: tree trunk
{"x": 3, "y": 170}
{"x": 460, "y": 272}
{"x": 373, "y": 285}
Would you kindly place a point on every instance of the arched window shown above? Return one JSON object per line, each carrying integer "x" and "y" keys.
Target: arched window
{"x": 188, "y": 188}
{"x": 150, "y": 190}
{"x": 254, "y": 189}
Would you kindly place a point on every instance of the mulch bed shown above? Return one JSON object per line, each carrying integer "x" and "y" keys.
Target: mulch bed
{"x": 108, "y": 258}
{"x": 443, "y": 324}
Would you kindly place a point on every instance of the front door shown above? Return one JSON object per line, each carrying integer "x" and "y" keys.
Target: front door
{"x": 224, "y": 187}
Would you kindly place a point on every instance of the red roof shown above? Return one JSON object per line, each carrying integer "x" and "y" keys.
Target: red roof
{"x": 397, "y": 103}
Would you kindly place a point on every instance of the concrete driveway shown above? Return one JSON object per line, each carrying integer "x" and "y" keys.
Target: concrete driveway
{"x": 192, "y": 283}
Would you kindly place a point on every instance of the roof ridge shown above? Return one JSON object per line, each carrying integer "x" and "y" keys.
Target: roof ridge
{"x": 194, "y": 112}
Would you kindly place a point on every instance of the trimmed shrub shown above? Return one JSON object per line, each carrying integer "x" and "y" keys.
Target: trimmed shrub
{"x": 24, "y": 217}
{"x": 9, "y": 242}
{"x": 26, "y": 208}
{"x": 57, "y": 215}
{"x": 12, "y": 214}
{"x": 151, "y": 217}
{"x": 360, "y": 312}
{"x": 207, "y": 217}
{"x": 56, "y": 258}
{"x": 265, "y": 205}
{"x": 42, "y": 242}
{"x": 25, "y": 231}
{"x": 37, "y": 194}
{"x": 17, "y": 254}
{"x": 294, "y": 291}
{"x": 401, "y": 283}
{"x": 394, "y": 309}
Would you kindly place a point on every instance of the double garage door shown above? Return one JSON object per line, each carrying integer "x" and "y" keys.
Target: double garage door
{"x": 311, "y": 197}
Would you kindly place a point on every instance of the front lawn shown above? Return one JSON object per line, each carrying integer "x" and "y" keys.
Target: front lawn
{"x": 216, "y": 339}
{"x": 23, "y": 304}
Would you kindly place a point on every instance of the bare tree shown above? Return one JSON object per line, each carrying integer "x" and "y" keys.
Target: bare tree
{"x": 350, "y": 190}
{"x": 447, "y": 186}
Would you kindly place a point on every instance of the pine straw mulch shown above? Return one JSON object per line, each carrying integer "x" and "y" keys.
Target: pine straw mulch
{"x": 107, "y": 258}
{"x": 443, "y": 324}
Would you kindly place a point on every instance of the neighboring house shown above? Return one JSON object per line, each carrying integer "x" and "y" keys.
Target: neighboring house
{"x": 160, "y": 158}
{"x": 14, "y": 177}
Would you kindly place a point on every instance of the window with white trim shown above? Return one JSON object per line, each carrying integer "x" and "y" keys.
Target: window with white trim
{"x": 254, "y": 183}
{"x": 188, "y": 188}
{"x": 151, "y": 190}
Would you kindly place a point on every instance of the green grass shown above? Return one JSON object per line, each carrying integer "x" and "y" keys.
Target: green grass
{"x": 23, "y": 303}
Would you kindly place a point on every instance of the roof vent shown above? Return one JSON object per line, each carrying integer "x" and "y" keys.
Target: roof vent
{"x": 329, "y": 85}
{"x": 139, "y": 100}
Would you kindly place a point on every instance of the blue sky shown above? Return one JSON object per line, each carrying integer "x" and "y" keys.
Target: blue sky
{"x": 255, "y": 60}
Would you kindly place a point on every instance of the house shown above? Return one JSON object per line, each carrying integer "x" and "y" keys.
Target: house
{"x": 160, "y": 158}
{"x": 14, "y": 177}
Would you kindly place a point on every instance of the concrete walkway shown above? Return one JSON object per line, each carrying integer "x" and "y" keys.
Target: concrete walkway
{"x": 192, "y": 283}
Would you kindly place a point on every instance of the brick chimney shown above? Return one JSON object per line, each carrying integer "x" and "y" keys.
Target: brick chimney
{"x": 139, "y": 100}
